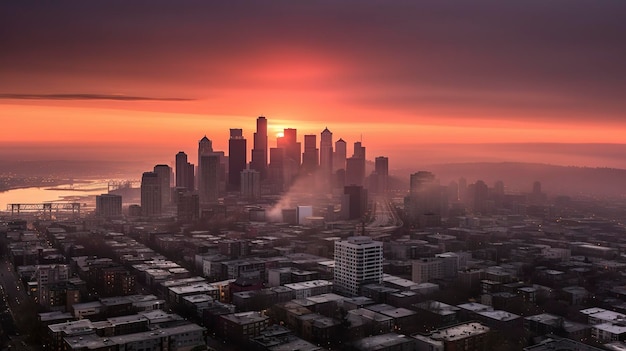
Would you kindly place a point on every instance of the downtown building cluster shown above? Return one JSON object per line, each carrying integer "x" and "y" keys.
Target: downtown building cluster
{"x": 189, "y": 189}
{"x": 421, "y": 267}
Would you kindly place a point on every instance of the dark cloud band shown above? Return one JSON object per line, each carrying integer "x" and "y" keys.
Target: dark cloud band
{"x": 87, "y": 97}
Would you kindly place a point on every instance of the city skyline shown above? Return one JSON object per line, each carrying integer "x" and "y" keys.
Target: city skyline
{"x": 445, "y": 81}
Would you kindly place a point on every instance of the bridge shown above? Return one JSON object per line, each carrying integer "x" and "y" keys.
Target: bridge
{"x": 46, "y": 208}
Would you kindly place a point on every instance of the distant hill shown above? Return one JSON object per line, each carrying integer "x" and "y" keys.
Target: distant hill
{"x": 519, "y": 177}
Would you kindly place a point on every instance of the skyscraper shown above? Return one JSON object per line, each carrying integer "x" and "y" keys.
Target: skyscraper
{"x": 339, "y": 161}
{"x": 184, "y": 172}
{"x": 150, "y": 194}
{"x": 355, "y": 174}
{"x": 208, "y": 178}
{"x": 355, "y": 166}
{"x": 164, "y": 172}
{"x": 250, "y": 184}
{"x": 260, "y": 149}
{"x": 358, "y": 261}
{"x": 326, "y": 154}
{"x": 381, "y": 168}
{"x": 236, "y": 158}
{"x": 426, "y": 201}
{"x": 289, "y": 142}
{"x": 310, "y": 158}
{"x": 354, "y": 202}
{"x": 205, "y": 147}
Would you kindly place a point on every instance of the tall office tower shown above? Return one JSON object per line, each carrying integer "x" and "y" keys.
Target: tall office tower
{"x": 310, "y": 158}
{"x": 426, "y": 201}
{"x": 236, "y": 158}
{"x": 339, "y": 157}
{"x": 181, "y": 170}
{"x": 187, "y": 205}
{"x": 537, "y": 197}
{"x": 354, "y": 202}
{"x": 276, "y": 169}
{"x": 150, "y": 194}
{"x": 326, "y": 154}
{"x": 359, "y": 150}
{"x": 381, "y": 167}
{"x": 108, "y": 205}
{"x": 164, "y": 172}
{"x": 250, "y": 184}
{"x": 209, "y": 178}
{"x": 190, "y": 177}
{"x": 184, "y": 172}
{"x": 260, "y": 149}
{"x": 289, "y": 142}
{"x": 481, "y": 197}
{"x": 205, "y": 147}
{"x": 355, "y": 174}
{"x": 462, "y": 189}
{"x": 358, "y": 261}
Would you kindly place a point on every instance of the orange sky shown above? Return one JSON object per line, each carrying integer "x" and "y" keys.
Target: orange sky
{"x": 398, "y": 76}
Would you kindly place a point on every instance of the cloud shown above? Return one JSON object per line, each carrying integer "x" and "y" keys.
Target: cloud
{"x": 87, "y": 97}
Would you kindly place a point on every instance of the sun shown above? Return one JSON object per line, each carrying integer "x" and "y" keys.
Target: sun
{"x": 280, "y": 134}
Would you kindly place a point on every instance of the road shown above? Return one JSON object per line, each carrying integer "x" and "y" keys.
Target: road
{"x": 15, "y": 295}
{"x": 385, "y": 218}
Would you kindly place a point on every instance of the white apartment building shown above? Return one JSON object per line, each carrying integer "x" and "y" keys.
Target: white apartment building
{"x": 358, "y": 261}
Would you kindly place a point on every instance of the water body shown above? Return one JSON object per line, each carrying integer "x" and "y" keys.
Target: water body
{"x": 63, "y": 193}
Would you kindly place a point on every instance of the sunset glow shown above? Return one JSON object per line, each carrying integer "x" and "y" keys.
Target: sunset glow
{"x": 394, "y": 80}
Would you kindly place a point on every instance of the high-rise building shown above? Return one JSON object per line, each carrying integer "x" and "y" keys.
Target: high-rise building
{"x": 359, "y": 150}
{"x": 164, "y": 172}
{"x": 481, "y": 197}
{"x": 150, "y": 194}
{"x": 184, "y": 172}
{"x": 108, "y": 205}
{"x": 289, "y": 142}
{"x": 187, "y": 205}
{"x": 339, "y": 159}
{"x": 358, "y": 261}
{"x": 276, "y": 169}
{"x": 354, "y": 202}
{"x": 381, "y": 179}
{"x": 426, "y": 201}
{"x": 209, "y": 178}
{"x": 310, "y": 156}
{"x": 260, "y": 149}
{"x": 236, "y": 158}
{"x": 326, "y": 154}
{"x": 355, "y": 171}
{"x": 205, "y": 147}
{"x": 355, "y": 166}
{"x": 250, "y": 184}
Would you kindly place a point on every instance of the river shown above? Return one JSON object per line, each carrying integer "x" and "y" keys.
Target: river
{"x": 64, "y": 193}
